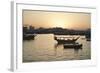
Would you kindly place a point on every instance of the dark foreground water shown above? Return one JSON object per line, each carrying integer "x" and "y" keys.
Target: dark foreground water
{"x": 45, "y": 48}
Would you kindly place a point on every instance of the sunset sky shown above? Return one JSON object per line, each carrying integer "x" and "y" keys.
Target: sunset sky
{"x": 49, "y": 19}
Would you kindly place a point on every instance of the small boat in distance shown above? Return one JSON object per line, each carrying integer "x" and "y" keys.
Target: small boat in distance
{"x": 64, "y": 40}
{"x": 28, "y": 36}
{"x": 75, "y": 46}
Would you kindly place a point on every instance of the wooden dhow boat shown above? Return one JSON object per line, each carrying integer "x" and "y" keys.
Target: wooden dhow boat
{"x": 64, "y": 40}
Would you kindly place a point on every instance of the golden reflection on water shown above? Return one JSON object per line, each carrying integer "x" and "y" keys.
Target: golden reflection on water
{"x": 45, "y": 48}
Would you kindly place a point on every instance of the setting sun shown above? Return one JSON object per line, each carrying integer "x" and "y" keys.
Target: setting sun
{"x": 58, "y": 23}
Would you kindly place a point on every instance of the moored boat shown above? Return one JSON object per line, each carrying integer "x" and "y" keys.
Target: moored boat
{"x": 28, "y": 37}
{"x": 76, "y": 46}
{"x": 64, "y": 40}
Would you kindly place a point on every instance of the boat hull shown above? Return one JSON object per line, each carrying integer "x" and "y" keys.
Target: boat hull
{"x": 76, "y": 46}
{"x": 65, "y": 41}
{"x": 28, "y": 37}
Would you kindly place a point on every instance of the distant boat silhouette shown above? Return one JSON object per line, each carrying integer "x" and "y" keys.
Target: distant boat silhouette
{"x": 28, "y": 37}
{"x": 76, "y": 46}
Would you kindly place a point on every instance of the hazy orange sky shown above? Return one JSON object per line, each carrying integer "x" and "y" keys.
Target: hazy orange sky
{"x": 49, "y": 19}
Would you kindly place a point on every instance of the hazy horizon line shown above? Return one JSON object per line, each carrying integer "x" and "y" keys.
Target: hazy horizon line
{"x": 55, "y": 27}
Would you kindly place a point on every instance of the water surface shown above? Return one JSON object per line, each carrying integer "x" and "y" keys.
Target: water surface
{"x": 45, "y": 48}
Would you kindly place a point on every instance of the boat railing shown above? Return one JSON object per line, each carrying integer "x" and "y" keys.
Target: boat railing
{"x": 64, "y": 38}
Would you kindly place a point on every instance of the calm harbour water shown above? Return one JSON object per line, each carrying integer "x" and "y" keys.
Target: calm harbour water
{"x": 45, "y": 48}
